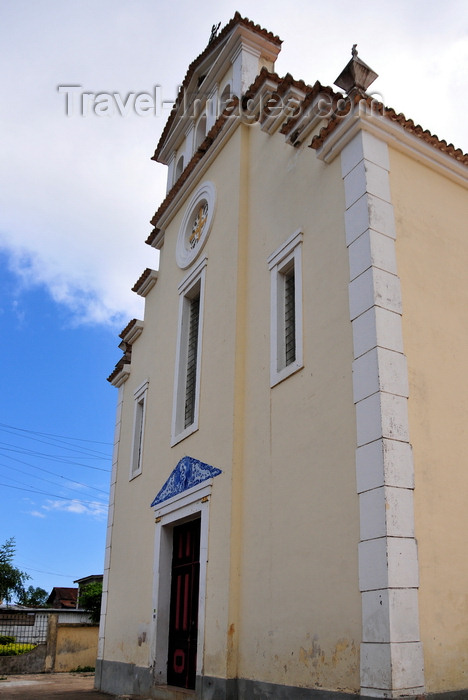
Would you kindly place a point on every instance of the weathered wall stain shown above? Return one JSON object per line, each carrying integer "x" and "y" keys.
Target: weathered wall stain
{"x": 76, "y": 645}
{"x": 343, "y": 657}
{"x": 313, "y": 653}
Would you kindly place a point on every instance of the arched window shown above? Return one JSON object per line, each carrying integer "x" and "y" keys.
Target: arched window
{"x": 224, "y": 99}
{"x": 200, "y": 132}
{"x": 179, "y": 168}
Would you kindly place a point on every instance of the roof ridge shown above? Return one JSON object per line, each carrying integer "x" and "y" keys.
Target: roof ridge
{"x": 391, "y": 114}
{"x": 236, "y": 19}
{"x": 199, "y": 153}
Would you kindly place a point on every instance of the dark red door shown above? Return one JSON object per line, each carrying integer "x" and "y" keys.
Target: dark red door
{"x": 183, "y": 621}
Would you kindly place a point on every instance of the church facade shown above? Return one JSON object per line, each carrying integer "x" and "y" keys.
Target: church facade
{"x": 288, "y": 513}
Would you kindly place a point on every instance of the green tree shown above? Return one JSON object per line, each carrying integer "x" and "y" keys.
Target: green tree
{"x": 12, "y": 579}
{"x": 33, "y": 597}
{"x": 90, "y": 600}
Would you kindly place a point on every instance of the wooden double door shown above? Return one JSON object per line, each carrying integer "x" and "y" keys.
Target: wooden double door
{"x": 183, "y": 620}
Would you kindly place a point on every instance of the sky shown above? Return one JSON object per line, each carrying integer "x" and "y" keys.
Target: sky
{"x": 77, "y": 192}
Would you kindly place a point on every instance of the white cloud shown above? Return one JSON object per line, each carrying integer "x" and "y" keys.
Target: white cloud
{"x": 37, "y": 514}
{"x": 92, "y": 509}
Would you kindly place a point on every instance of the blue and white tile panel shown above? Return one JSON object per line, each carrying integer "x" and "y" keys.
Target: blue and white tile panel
{"x": 189, "y": 472}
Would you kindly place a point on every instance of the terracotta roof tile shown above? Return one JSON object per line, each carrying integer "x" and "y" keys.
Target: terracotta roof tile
{"x": 126, "y": 348}
{"x": 290, "y": 124}
{"x": 63, "y": 597}
{"x": 142, "y": 278}
{"x": 312, "y": 92}
{"x": 261, "y": 78}
{"x": 153, "y": 235}
{"x": 197, "y": 156}
{"x": 285, "y": 85}
{"x": 282, "y": 85}
{"x": 124, "y": 360}
{"x": 128, "y": 328}
{"x": 237, "y": 19}
{"x": 390, "y": 113}
{"x": 144, "y": 283}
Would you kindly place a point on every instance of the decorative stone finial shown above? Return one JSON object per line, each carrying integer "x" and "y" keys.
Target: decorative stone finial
{"x": 356, "y": 75}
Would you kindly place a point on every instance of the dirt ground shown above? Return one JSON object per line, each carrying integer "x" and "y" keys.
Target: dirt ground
{"x": 52, "y": 686}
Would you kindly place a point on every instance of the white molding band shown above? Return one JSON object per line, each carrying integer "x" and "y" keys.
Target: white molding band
{"x": 110, "y": 524}
{"x": 391, "y": 650}
{"x": 366, "y": 118}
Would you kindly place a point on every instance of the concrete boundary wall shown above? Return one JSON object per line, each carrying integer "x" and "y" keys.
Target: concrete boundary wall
{"x": 71, "y": 641}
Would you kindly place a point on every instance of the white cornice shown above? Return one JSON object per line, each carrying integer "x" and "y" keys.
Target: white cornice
{"x": 122, "y": 376}
{"x": 148, "y": 283}
{"x": 264, "y": 92}
{"x": 396, "y": 137}
{"x": 216, "y": 64}
{"x": 252, "y": 50}
{"x": 275, "y": 120}
{"x": 196, "y": 174}
{"x": 309, "y": 121}
{"x": 266, "y": 48}
{"x": 133, "y": 332}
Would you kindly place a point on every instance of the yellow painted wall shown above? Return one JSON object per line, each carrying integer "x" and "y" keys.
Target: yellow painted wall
{"x": 153, "y": 358}
{"x": 76, "y": 646}
{"x": 300, "y": 613}
{"x": 282, "y": 599}
{"x": 431, "y": 215}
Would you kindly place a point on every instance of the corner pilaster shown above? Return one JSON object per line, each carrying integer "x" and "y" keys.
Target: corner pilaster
{"x": 110, "y": 525}
{"x": 391, "y": 650}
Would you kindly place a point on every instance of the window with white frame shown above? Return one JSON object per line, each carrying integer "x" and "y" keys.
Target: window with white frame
{"x": 285, "y": 266}
{"x": 138, "y": 430}
{"x": 188, "y": 354}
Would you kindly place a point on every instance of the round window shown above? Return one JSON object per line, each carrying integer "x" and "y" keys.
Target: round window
{"x": 195, "y": 225}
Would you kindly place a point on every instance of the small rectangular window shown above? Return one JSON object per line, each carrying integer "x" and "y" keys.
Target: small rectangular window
{"x": 188, "y": 354}
{"x": 289, "y": 316}
{"x": 192, "y": 354}
{"x": 286, "y": 309}
{"x": 136, "y": 461}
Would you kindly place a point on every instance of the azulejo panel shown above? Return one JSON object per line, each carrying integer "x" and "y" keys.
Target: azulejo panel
{"x": 188, "y": 473}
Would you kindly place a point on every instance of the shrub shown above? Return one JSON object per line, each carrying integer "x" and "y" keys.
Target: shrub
{"x": 5, "y": 639}
{"x": 15, "y": 649}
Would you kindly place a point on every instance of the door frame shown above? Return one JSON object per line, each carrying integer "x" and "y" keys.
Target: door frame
{"x": 188, "y": 505}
